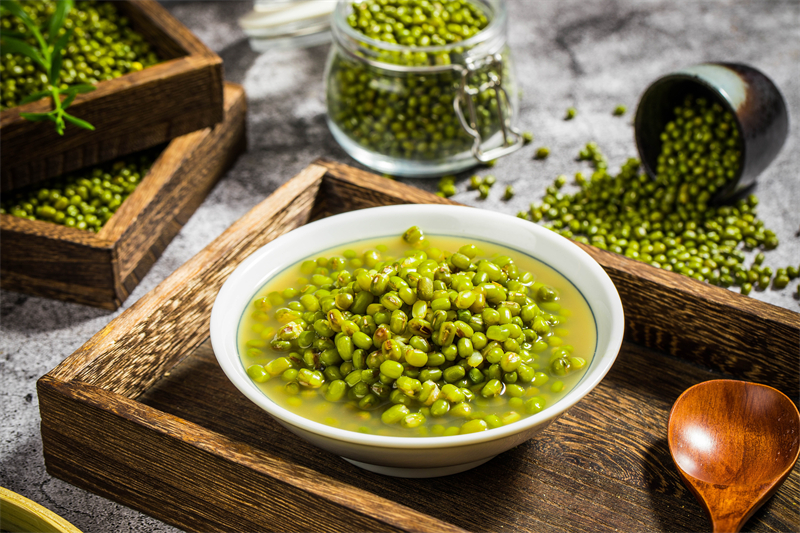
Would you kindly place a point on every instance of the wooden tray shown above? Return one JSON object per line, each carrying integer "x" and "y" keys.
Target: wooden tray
{"x": 180, "y": 95}
{"x": 101, "y": 269}
{"x": 143, "y": 415}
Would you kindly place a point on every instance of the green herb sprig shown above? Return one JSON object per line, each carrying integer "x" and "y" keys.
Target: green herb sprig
{"x": 48, "y": 57}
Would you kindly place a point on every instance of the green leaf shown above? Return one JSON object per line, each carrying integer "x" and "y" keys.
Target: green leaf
{"x": 57, "y": 20}
{"x": 74, "y": 91}
{"x": 68, "y": 100}
{"x": 35, "y": 96}
{"x": 14, "y": 34}
{"x": 82, "y": 88}
{"x": 79, "y": 89}
{"x": 15, "y": 46}
{"x": 55, "y": 65}
{"x": 78, "y": 122}
{"x": 13, "y": 7}
{"x": 36, "y": 117}
{"x": 55, "y": 69}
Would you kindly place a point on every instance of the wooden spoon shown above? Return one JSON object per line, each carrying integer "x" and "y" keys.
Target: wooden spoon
{"x": 733, "y": 443}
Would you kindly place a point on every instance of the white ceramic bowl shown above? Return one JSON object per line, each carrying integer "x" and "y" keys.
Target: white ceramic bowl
{"x": 428, "y": 456}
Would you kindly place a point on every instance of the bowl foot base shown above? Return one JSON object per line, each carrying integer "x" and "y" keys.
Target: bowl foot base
{"x": 418, "y": 472}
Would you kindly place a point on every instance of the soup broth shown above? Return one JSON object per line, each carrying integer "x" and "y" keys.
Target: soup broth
{"x": 417, "y": 336}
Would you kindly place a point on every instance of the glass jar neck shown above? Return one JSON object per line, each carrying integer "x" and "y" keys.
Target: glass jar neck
{"x": 487, "y": 42}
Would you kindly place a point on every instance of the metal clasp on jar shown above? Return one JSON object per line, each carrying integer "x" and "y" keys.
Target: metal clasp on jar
{"x": 512, "y": 137}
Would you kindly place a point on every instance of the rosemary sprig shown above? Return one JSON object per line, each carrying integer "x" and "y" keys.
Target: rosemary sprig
{"x": 48, "y": 57}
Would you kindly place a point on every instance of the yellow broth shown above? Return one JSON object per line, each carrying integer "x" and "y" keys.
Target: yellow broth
{"x": 571, "y": 337}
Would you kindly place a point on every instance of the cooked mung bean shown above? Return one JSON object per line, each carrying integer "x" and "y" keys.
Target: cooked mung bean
{"x": 468, "y": 349}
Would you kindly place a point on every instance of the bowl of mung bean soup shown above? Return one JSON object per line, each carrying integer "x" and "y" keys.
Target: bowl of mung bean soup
{"x": 417, "y": 340}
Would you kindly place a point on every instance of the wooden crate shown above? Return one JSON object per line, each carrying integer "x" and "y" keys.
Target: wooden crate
{"x": 182, "y": 94}
{"x": 101, "y": 269}
{"x": 142, "y": 414}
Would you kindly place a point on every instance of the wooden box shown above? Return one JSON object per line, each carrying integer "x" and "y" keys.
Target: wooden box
{"x": 180, "y": 95}
{"x": 143, "y": 415}
{"x": 101, "y": 269}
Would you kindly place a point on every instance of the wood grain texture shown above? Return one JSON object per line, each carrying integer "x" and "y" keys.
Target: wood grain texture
{"x": 148, "y": 386}
{"x": 55, "y": 261}
{"x": 733, "y": 444}
{"x": 154, "y": 330}
{"x": 130, "y": 113}
{"x": 347, "y": 189}
{"x": 190, "y": 170}
{"x": 251, "y": 487}
{"x": 102, "y": 269}
{"x": 709, "y": 325}
{"x": 170, "y": 38}
{"x": 604, "y": 465}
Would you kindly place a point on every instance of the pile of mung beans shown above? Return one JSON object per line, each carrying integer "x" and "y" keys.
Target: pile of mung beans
{"x": 85, "y": 200}
{"x": 429, "y": 335}
{"x": 103, "y": 46}
{"x": 410, "y": 115}
{"x": 670, "y": 222}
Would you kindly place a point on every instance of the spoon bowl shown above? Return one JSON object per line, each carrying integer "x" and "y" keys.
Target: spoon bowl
{"x": 733, "y": 443}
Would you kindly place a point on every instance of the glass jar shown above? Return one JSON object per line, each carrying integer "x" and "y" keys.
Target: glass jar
{"x": 422, "y": 111}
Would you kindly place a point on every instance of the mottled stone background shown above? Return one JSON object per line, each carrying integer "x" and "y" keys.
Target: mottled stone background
{"x": 591, "y": 55}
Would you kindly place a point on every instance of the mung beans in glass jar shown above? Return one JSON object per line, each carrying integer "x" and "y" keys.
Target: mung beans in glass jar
{"x": 421, "y": 88}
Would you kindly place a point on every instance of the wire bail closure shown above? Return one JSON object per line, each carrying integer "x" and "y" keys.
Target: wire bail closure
{"x": 466, "y": 93}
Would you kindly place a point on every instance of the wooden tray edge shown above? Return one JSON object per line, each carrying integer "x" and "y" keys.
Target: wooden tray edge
{"x": 290, "y": 205}
{"x": 673, "y": 313}
{"x": 104, "y": 363}
{"x": 764, "y": 348}
{"x": 168, "y": 25}
{"x": 131, "y": 259}
{"x": 70, "y": 413}
{"x": 199, "y": 63}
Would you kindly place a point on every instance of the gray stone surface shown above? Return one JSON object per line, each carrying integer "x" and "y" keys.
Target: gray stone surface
{"x": 591, "y": 55}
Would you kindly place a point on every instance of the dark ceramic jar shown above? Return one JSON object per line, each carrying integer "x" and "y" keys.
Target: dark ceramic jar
{"x": 749, "y": 95}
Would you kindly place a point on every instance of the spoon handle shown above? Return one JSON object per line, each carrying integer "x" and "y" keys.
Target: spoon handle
{"x": 728, "y": 524}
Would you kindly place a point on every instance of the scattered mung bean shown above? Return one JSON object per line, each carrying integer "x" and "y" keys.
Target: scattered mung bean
{"x": 670, "y": 222}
